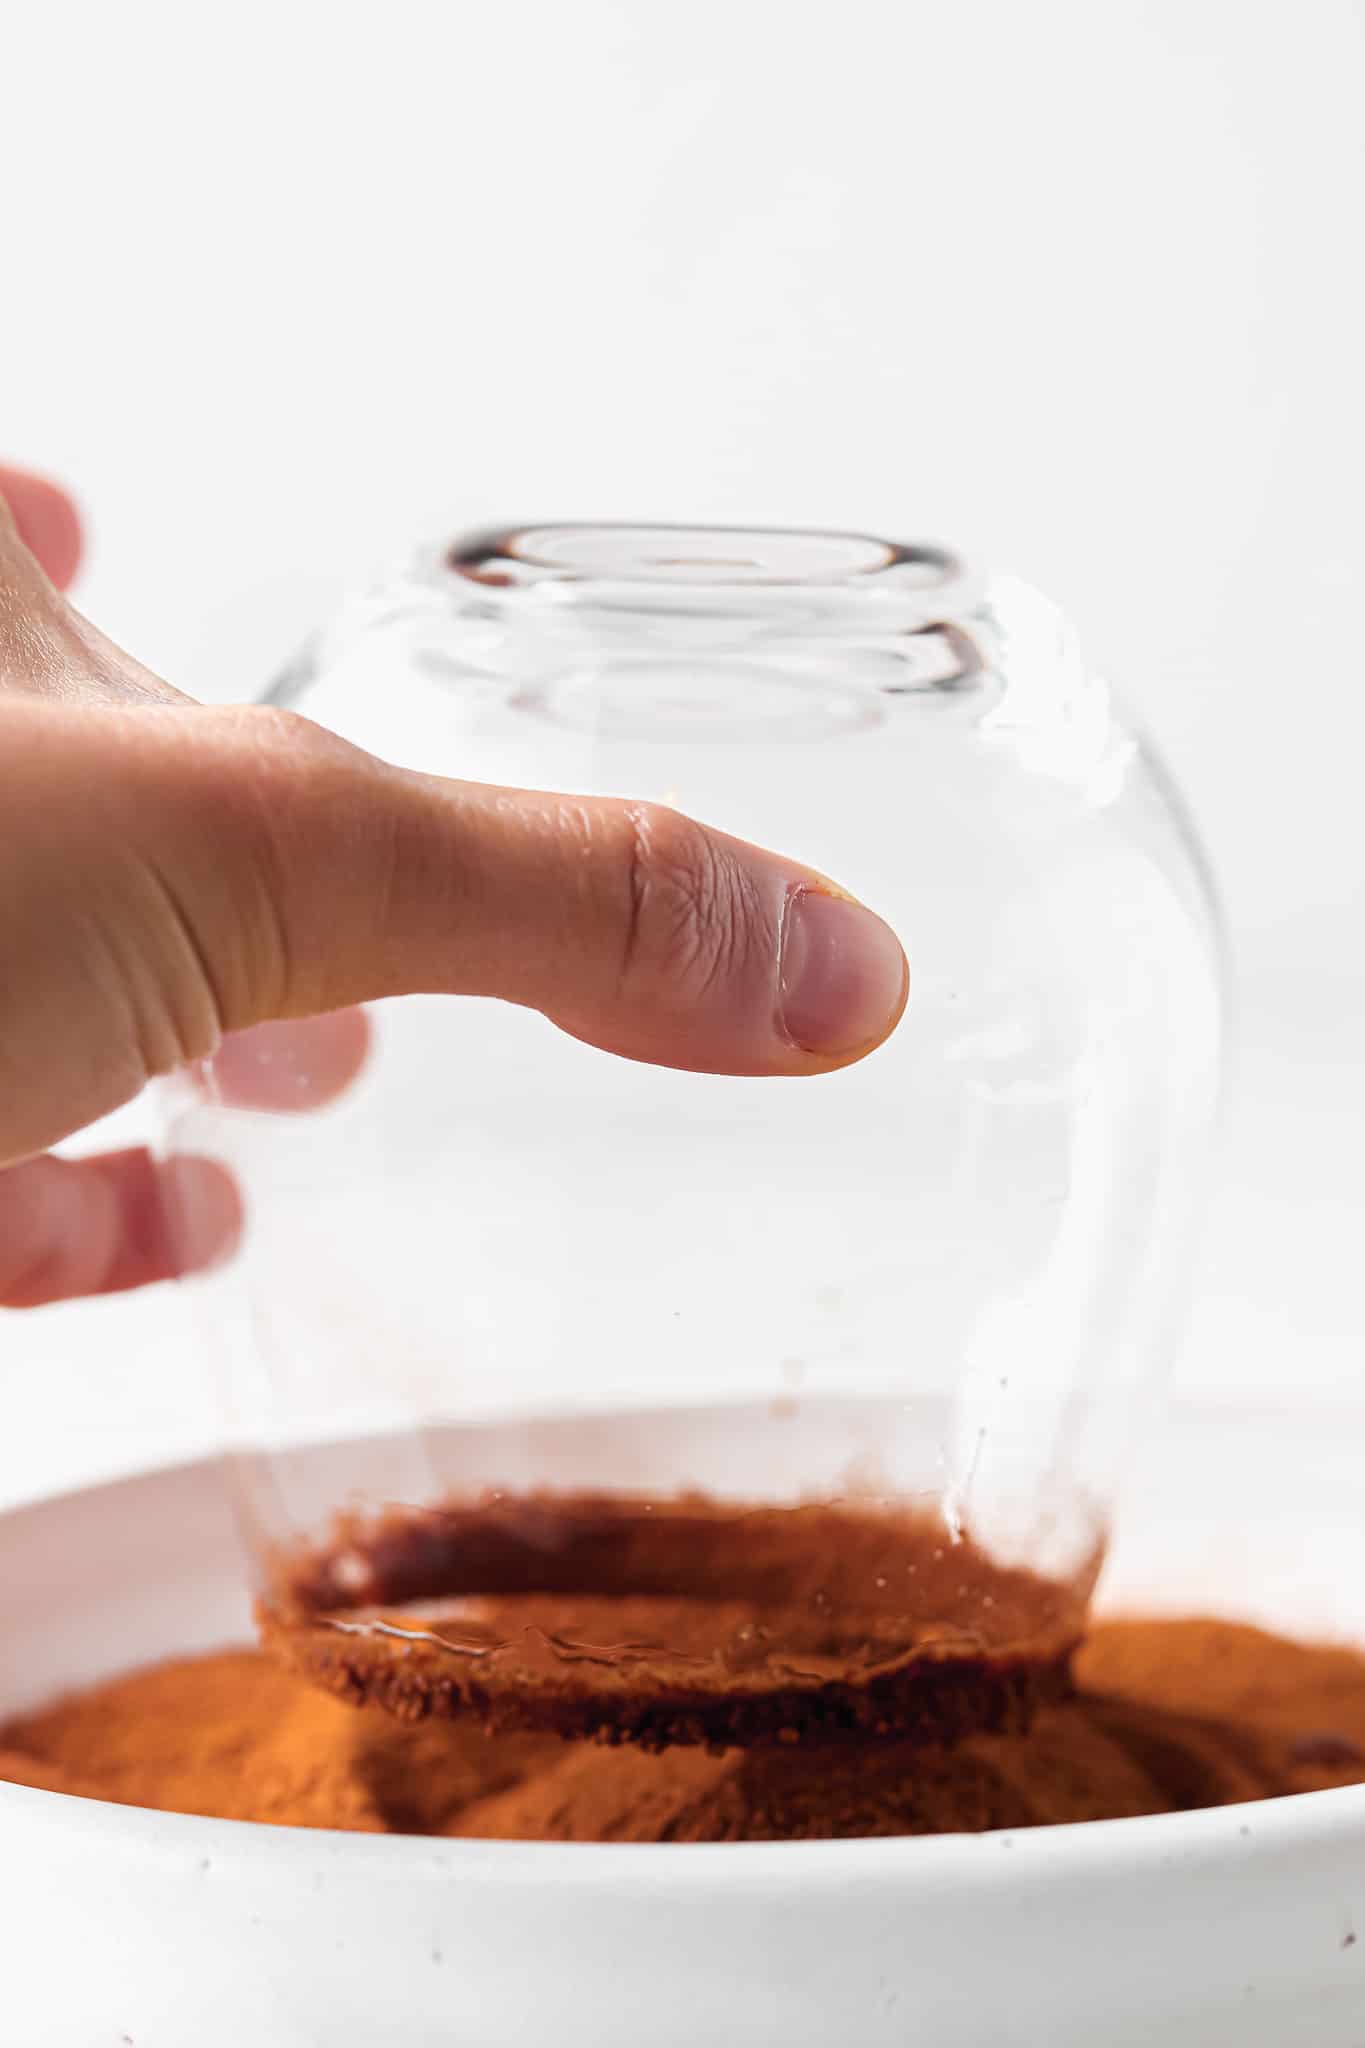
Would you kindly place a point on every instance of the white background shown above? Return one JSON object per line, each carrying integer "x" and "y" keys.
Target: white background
{"x": 1074, "y": 284}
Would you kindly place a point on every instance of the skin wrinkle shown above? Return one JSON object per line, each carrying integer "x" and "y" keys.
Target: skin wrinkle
{"x": 275, "y": 981}
{"x": 750, "y": 920}
{"x": 718, "y": 926}
{"x": 387, "y": 896}
{"x": 638, "y": 848}
{"x": 114, "y": 913}
{"x": 191, "y": 1043}
{"x": 48, "y": 650}
{"x": 113, "y": 1072}
{"x": 271, "y": 900}
{"x": 117, "y": 971}
{"x": 687, "y": 904}
{"x": 30, "y": 659}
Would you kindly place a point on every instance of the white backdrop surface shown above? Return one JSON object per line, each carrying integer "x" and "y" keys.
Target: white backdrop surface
{"x": 285, "y": 287}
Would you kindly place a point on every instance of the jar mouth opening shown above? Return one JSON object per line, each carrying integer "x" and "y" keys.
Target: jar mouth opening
{"x": 700, "y": 557}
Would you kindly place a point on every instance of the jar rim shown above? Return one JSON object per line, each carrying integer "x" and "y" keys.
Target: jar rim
{"x": 677, "y": 556}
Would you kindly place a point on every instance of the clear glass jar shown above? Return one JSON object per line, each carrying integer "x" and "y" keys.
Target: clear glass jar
{"x": 505, "y": 1274}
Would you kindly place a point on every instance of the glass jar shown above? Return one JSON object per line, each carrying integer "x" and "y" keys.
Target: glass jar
{"x": 807, "y": 1396}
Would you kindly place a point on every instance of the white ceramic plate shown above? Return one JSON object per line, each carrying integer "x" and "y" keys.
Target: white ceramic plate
{"x": 126, "y": 1929}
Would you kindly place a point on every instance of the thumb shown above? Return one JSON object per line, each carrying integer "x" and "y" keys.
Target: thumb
{"x": 627, "y": 924}
{"x": 211, "y": 870}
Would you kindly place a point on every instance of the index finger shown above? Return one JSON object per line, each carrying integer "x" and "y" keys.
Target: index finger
{"x": 47, "y": 520}
{"x": 300, "y": 1063}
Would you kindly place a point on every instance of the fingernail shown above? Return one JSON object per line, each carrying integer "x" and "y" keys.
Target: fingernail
{"x": 842, "y": 978}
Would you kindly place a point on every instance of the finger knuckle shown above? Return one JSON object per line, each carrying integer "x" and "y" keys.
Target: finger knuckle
{"x": 690, "y": 915}
{"x": 252, "y": 783}
{"x": 271, "y": 734}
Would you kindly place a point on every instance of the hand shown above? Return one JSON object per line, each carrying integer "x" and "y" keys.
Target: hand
{"x": 172, "y": 875}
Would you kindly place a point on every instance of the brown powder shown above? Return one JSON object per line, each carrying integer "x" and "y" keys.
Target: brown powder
{"x": 1169, "y": 1715}
{"x": 670, "y": 1621}
{"x": 230, "y": 1735}
{"x": 1056, "y": 1772}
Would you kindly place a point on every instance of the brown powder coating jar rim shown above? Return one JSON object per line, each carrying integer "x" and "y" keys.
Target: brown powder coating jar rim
{"x": 934, "y": 1701}
{"x": 872, "y": 1622}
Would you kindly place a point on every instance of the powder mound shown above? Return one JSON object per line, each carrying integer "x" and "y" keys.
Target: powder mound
{"x": 674, "y": 1621}
{"x": 1170, "y": 1715}
{"x": 18, "y": 1769}
{"x": 1060, "y": 1771}
{"x": 230, "y": 1737}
